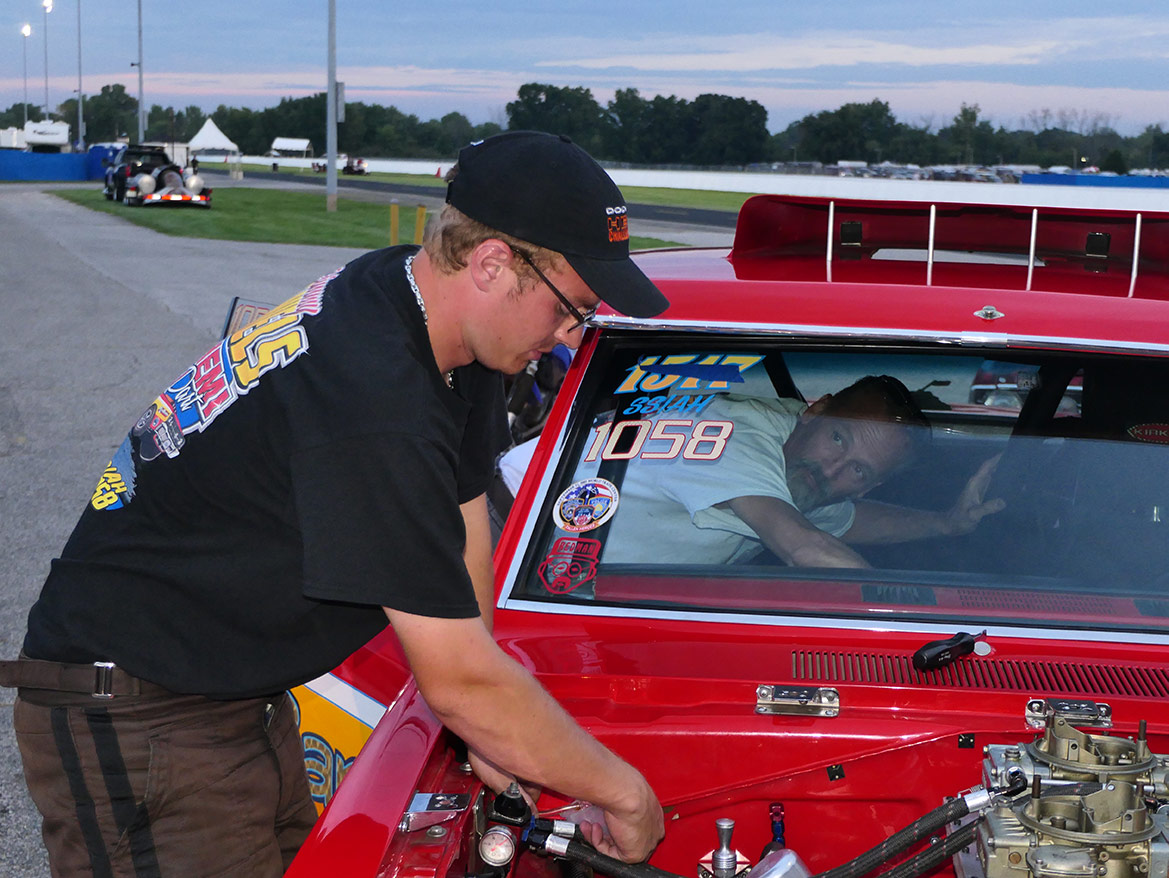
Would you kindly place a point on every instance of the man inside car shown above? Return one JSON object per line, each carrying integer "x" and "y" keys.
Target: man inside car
{"x": 790, "y": 480}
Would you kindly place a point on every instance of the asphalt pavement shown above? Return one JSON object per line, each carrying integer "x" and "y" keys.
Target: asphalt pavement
{"x": 97, "y": 315}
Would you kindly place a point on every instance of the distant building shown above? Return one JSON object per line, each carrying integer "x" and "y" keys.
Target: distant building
{"x": 47, "y": 136}
{"x": 11, "y": 138}
{"x": 296, "y": 147}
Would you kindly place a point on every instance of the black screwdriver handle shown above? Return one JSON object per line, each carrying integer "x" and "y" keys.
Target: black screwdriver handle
{"x": 939, "y": 653}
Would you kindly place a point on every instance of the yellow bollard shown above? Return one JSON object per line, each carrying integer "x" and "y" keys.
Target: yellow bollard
{"x": 393, "y": 223}
{"x": 419, "y": 223}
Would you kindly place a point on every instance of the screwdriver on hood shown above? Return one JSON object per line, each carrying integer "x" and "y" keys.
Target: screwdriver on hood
{"x": 939, "y": 653}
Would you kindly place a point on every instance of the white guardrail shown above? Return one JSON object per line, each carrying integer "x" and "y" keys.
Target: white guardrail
{"x": 931, "y": 191}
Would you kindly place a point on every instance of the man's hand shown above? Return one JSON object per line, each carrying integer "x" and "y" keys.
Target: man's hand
{"x": 970, "y": 508}
{"x": 629, "y": 834}
{"x": 629, "y": 837}
{"x": 515, "y": 729}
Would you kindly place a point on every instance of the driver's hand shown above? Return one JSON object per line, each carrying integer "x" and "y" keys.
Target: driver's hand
{"x": 970, "y": 507}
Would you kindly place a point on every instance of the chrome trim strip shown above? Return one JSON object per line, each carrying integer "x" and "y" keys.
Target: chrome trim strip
{"x": 929, "y": 259}
{"x": 1031, "y": 252}
{"x": 1003, "y": 340}
{"x": 1136, "y": 255}
{"x": 831, "y": 221}
{"x": 1020, "y": 631}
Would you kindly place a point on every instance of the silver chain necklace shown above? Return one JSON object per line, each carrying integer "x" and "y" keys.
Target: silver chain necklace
{"x": 449, "y": 377}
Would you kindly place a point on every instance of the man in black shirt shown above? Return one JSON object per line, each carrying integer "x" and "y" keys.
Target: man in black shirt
{"x": 311, "y": 476}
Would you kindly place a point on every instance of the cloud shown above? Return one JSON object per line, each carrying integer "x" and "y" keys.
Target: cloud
{"x": 227, "y": 87}
{"x": 1008, "y": 63}
{"x": 739, "y": 55}
{"x": 994, "y": 44}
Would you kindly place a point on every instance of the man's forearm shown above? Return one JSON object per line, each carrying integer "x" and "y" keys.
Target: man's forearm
{"x": 793, "y": 539}
{"x": 504, "y": 714}
{"x": 885, "y": 523}
{"x": 513, "y": 722}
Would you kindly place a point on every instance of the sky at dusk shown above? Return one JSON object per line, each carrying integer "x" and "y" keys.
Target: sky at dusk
{"x": 1078, "y": 60}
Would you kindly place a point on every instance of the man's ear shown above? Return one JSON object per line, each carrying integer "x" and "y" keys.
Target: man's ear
{"x": 488, "y": 263}
{"x": 816, "y": 408}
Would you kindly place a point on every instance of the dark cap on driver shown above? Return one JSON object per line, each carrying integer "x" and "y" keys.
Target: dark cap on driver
{"x": 546, "y": 190}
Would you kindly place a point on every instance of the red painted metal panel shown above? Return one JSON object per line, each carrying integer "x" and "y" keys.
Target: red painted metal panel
{"x": 353, "y": 834}
{"x": 677, "y": 696}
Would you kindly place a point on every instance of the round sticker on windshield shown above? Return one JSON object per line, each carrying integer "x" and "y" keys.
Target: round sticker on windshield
{"x": 586, "y": 505}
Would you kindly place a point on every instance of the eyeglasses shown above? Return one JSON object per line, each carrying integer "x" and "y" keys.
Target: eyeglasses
{"x": 580, "y": 318}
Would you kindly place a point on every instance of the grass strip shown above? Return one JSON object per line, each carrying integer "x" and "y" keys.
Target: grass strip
{"x": 697, "y": 198}
{"x": 411, "y": 179}
{"x": 263, "y": 215}
{"x": 275, "y": 216}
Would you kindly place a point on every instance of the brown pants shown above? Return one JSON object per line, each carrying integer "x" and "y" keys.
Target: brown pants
{"x": 161, "y": 785}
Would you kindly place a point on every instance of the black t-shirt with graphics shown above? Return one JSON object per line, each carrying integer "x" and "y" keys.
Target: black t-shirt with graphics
{"x": 305, "y": 472}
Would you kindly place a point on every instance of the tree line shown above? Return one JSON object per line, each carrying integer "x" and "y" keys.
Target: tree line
{"x": 713, "y": 130}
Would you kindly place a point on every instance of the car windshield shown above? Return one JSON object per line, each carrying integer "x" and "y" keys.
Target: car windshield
{"x": 678, "y": 449}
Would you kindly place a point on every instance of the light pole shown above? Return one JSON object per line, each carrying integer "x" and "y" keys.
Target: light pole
{"x": 331, "y": 113}
{"x": 48, "y": 4}
{"x": 80, "y": 96}
{"x": 141, "y": 106}
{"x": 25, "y": 33}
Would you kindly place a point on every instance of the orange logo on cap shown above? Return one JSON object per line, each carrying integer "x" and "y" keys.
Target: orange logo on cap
{"x": 618, "y": 228}
{"x": 618, "y": 223}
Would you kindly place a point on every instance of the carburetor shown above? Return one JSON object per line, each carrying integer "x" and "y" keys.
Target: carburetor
{"x": 1097, "y": 804}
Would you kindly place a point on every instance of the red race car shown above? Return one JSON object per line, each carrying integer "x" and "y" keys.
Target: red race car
{"x": 982, "y": 690}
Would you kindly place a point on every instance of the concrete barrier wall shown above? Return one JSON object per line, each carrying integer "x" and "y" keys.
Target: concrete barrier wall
{"x": 1062, "y": 194}
{"x": 1058, "y": 190}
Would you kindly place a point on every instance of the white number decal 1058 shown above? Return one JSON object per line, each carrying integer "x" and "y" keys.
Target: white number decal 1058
{"x": 663, "y": 439}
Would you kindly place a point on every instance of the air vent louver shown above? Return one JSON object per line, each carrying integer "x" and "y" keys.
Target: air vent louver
{"x": 1031, "y": 677}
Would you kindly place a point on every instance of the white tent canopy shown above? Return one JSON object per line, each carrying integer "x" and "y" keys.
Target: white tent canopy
{"x": 300, "y": 145}
{"x": 210, "y": 138}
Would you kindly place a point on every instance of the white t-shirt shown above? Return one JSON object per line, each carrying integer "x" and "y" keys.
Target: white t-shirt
{"x": 515, "y": 462}
{"x": 667, "y": 513}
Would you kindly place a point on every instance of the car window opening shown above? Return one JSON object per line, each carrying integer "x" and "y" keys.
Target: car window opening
{"x": 1080, "y": 451}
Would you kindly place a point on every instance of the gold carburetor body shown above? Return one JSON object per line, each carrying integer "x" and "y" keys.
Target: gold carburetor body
{"x": 1093, "y": 811}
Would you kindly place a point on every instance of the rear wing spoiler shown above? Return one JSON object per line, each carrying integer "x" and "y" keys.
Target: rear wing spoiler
{"x": 1114, "y": 241}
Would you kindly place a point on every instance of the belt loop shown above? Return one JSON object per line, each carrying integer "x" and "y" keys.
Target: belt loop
{"x": 103, "y": 680}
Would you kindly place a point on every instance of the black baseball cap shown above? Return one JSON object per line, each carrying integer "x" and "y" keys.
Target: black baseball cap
{"x": 546, "y": 190}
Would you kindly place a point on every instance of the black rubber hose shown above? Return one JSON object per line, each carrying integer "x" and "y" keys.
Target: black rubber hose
{"x": 583, "y": 852}
{"x": 935, "y": 854}
{"x": 919, "y": 829}
{"x": 573, "y": 869}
